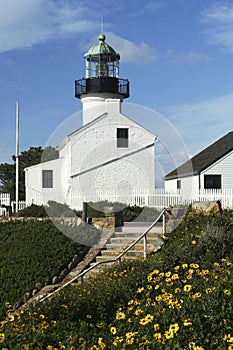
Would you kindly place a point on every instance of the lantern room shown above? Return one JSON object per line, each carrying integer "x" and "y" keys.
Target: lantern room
{"x": 102, "y": 60}
{"x": 102, "y": 72}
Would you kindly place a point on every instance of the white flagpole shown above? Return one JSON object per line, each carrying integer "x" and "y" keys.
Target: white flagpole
{"x": 17, "y": 158}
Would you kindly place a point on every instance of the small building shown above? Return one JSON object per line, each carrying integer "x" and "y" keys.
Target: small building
{"x": 210, "y": 169}
{"x": 109, "y": 156}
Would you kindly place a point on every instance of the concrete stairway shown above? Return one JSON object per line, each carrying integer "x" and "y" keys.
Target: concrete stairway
{"x": 121, "y": 239}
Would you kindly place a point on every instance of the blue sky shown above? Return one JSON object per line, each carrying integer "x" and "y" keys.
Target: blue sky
{"x": 177, "y": 54}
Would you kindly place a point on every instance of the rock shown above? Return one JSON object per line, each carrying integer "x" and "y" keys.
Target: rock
{"x": 17, "y": 304}
{"x": 207, "y": 207}
{"x": 64, "y": 272}
{"x": 26, "y": 296}
{"x": 38, "y": 286}
{"x": 34, "y": 292}
{"x": 56, "y": 280}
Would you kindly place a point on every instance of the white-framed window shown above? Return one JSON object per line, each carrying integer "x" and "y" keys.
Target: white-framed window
{"x": 178, "y": 184}
{"x": 122, "y": 137}
{"x": 47, "y": 178}
{"x": 212, "y": 181}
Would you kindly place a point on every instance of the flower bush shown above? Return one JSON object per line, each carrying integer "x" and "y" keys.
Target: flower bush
{"x": 179, "y": 298}
{"x": 32, "y": 252}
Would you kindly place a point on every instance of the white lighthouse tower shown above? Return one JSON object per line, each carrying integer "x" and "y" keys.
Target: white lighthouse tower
{"x": 101, "y": 83}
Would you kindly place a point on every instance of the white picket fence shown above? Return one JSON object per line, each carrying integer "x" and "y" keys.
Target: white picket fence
{"x": 158, "y": 199}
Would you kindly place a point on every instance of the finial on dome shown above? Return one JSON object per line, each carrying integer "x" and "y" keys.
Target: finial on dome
{"x": 102, "y": 37}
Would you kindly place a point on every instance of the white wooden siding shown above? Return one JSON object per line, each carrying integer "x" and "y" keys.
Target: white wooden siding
{"x": 223, "y": 167}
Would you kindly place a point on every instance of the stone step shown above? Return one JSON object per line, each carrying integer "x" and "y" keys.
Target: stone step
{"x": 140, "y": 227}
{"x": 118, "y": 246}
{"x": 130, "y": 255}
{"x": 130, "y": 239}
{"x": 135, "y": 235}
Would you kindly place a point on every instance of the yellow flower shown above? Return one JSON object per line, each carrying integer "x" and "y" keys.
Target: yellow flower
{"x": 2, "y": 337}
{"x": 113, "y": 330}
{"x": 143, "y": 321}
{"x": 138, "y": 312}
{"x": 101, "y": 343}
{"x": 184, "y": 266}
{"x": 169, "y": 334}
{"x": 187, "y": 288}
{"x": 130, "y": 334}
{"x": 10, "y": 317}
{"x": 194, "y": 242}
{"x": 157, "y": 336}
{"x": 120, "y": 315}
{"x": 149, "y": 317}
{"x": 156, "y": 327}
{"x": 25, "y": 347}
{"x": 187, "y": 322}
{"x": 140, "y": 290}
{"x": 194, "y": 266}
{"x": 130, "y": 341}
{"x": 118, "y": 340}
{"x": 175, "y": 276}
{"x": 174, "y": 327}
{"x": 196, "y": 295}
{"x": 227, "y": 292}
{"x": 228, "y": 338}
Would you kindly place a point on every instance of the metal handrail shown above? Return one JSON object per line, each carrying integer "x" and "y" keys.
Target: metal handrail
{"x": 82, "y": 274}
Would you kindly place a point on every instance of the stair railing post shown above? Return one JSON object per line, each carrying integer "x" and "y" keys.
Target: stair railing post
{"x": 144, "y": 249}
{"x": 164, "y": 223}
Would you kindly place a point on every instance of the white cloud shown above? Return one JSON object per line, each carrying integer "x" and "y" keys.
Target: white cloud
{"x": 27, "y": 22}
{"x": 218, "y": 21}
{"x": 192, "y": 57}
{"x": 140, "y": 53}
{"x": 202, "y": 123}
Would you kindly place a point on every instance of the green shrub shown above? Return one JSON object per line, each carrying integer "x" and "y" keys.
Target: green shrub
{"x": 34, "y": 251}
{"x": 33, "y": 210}
{"x": 179, "y": 298}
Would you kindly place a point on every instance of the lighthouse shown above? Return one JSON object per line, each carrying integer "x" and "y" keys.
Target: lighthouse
{"x": 101, "y": 83}
{"x": 111, "y": 157}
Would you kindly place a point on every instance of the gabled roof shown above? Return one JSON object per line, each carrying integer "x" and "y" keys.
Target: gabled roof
{"x": 204, "y": 159}
{"x": 95, "y": 121}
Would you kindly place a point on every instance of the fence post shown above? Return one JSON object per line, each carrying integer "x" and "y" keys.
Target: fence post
{"x": 145, "y": 246}
{"x": 84, "y": 213}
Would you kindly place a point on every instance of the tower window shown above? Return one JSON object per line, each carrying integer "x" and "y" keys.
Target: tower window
{"x": 122, "y": 138}
{"x": 47, "y": 179}
{"x": 212, "y": 181}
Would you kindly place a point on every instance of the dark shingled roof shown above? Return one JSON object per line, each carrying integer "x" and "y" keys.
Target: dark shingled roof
{"x": 204, "y": 159}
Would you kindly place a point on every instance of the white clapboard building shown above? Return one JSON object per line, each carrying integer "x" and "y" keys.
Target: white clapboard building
{"x": 109, "y": 156}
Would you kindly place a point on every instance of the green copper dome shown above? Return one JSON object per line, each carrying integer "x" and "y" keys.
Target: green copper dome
{"x": 102, "y": 49}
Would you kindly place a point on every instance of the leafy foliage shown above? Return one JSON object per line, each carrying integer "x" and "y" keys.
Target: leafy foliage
{"x": 33, "y": 211}
{"x": 179, "y": 298}
{"x": 33, "y": 252}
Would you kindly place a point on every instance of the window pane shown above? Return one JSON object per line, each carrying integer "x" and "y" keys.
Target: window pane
{"x": 212, "y": 181}
{"x": 122, "y": 137}
{"x": 47, "y": 179}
